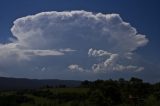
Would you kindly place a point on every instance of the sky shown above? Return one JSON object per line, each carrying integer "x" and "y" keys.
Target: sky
{"x": 80, "y": 39}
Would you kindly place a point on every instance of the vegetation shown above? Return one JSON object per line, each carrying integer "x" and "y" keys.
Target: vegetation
{"x": 98, "y": 93}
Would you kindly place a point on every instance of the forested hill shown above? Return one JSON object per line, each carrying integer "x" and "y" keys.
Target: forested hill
{"x": 22, "y": 83}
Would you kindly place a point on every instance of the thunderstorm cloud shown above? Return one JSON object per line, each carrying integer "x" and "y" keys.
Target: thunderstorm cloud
{"x": 68, "y": 41}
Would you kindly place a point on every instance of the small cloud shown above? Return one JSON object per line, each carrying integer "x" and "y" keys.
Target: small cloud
{"x": 98, "y": 53}
{"x": 75, "y": 67}
{"x": 128, "y": 68}
{"x": 67, "y": 50}
{"x": 44, "y": 69}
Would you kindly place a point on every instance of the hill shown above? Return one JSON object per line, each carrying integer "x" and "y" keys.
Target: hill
{"x": 23, "y": 83}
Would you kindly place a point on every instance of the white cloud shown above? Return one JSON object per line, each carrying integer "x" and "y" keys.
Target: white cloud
{"x": 75, "y": 67}
{"x": 128, "y": 68}
{"x": 18, "y": 53}
{"x": 110, "y": 62}
{"x": 71, "y": 35}
{"x": 107, "y": 64}
{"x": 67, "y": 50}
{"x": 98, "y": 53}
{"x": 42, "y": 52}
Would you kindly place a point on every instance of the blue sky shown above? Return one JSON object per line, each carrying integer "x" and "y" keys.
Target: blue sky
{"x": 141, "y": 14}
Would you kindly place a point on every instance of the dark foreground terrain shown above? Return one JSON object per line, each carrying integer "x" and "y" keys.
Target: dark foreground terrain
{"x": 98, "y": 93}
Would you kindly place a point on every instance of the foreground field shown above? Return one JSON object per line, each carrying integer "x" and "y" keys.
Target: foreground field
{"x": 99, "y": 93}
{"x": 44, "y": 97}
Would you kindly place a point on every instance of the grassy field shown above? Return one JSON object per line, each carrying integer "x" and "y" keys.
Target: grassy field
{"x": 43, "y": 97}
{"x": 99, "y": 93}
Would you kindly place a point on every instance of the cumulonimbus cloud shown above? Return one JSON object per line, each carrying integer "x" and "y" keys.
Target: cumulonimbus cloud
{"x": 83, "y": 33}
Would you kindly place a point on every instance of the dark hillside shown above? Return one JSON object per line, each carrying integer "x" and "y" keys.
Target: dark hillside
{"x": 22, "y": 83}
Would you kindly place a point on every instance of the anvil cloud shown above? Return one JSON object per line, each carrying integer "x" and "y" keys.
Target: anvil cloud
{"x": 104, "y": 41}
